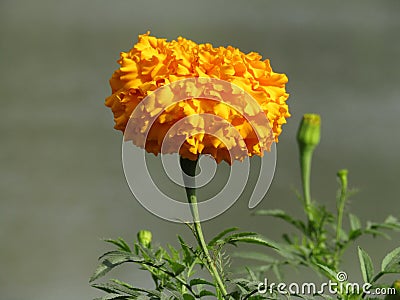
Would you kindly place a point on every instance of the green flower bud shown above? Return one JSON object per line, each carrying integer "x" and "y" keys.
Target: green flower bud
{"x": 309, "y": 133}
{"x": 396, "y": 285}
{"x": 396, "y": 296}
{"x": 342, "y": 175}
{"x": 144, "y": 238}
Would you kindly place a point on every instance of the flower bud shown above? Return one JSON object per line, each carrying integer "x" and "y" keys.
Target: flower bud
{"x": 342, "y": 175}
{"x": 144, "y": 238}
{"x": 395, "y": 296}
{"x": 396, "y": 285}
{"x": 309, "y": 133}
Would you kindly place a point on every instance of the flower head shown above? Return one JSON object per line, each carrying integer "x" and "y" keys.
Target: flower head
{"x": 153, "y": 63}
{"x": 144, "y": 237}
{"x": 309, "y": 133}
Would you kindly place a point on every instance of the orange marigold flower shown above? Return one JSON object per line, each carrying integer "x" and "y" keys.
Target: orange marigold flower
{"x": 153, "y": 63}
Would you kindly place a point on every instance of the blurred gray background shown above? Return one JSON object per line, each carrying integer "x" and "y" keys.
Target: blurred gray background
{"x": 62, "y": 186}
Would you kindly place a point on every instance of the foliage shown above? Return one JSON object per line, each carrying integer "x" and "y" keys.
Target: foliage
{"x": 174, "y": 270}
{"x": 318, "y": 244}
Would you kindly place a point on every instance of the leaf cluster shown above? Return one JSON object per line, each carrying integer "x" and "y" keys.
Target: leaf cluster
{"x": 174, "y": 271}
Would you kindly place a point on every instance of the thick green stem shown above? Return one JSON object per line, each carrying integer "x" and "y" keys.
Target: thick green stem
{"x": 189, "y": 167}
{"x": 308, "y": 137}
{"x": 305, "y": 165}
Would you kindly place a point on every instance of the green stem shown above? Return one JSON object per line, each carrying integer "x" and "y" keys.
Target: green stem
{"x": 342, "y": 201}
{"x": 373, "y": 280}
{"x": 342, "y": 175}
{"x": 189, "y": 167}
{"x": 305, "y": 165}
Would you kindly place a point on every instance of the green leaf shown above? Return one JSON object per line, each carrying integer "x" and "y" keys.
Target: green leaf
{"x": 375, "y": 233}
{"x": 355, "y": 234}
{"x": 355, "y": 223}
{"x": 391, "y": 262}
{"x": 111, "y": 260}
{"x": 221, "y": 235}
{"x": 114, "y": 288}
{"x": 240, "y": 234}
{"x": 174, "y": 252}
{"x": 188, "y": 257}
{"x": 251, "y": 238}
{"x": 176, "y": 267}
{"x": 188, "y": 297}
{"x": 198, "y": 281}
{"x": 251, "y": 274}
{"x": 120, "y": 243}
{"x": 122, "y": 283}
{"x": 277, "y": 272}
{"x": 248, "y": 237}
{"x": 342, "y": 234}
{"x": 146, "y": 253}
{"x": 148, "y": 292}
{"x": 391, "y": 223}
{"x": 160, "y": 253}
{"x": 172, "y": 295}
{"x": 367, "y": 267}
{"x": 204, "y": 293}
{"x": 331, "y": 273}
{"x": 392, "y": 220}
{"x": 287, "y": 239}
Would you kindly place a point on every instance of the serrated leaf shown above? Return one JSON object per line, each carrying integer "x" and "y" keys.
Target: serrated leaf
{"x": 174, "y": 252}
{"x": 173, "y": 295}
{"x": 115, "y": 288}
{"x": 154, "y": 293}
{"x": 391, "y": 262}
{"x": 188, "y": 258}
{"x": 250, "y": 238}
{"x": 367, "y": 267}
{"x": 160, "y": 253}
{"x": 122, "y": 283}
{"x": 111, "y": 260}
{"x": 221, "y": 235}
{"x": 120, "y": 243}
{"x": 176, "y": 267}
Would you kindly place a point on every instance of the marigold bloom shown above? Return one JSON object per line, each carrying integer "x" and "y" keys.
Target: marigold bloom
{"x": 153, "y": 63}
